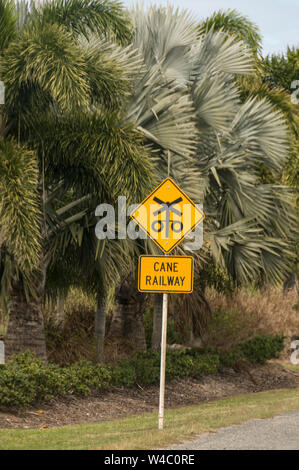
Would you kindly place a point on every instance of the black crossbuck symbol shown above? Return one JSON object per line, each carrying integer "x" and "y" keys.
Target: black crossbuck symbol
{"x": 167, "y": 207}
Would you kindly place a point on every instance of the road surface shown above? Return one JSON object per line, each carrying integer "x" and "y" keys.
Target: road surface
{"x": 278, "y": 433}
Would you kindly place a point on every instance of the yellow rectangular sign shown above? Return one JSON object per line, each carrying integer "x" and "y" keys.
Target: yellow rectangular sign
{"x": 165, "y": 274}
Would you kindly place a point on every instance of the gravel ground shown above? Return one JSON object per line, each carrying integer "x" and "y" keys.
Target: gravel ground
{"x": 278, "y": 433}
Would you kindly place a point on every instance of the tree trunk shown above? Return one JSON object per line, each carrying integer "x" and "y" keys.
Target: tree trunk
{"x": 133, "y": 326}
{"x": 127, "y": 320}
{"x": 100, "y": 325}
{"x": 25, "y": 329}
{"x": 117, "y": 323}
{"x": 60, "y": 308}
{"x": 290, "y": 283}
{"x": 157, "y": 323}
{"x": 195, "y": 341}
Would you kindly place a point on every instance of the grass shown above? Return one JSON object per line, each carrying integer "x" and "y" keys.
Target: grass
{"x": 140, "y": 432}
{"x": 293, "y": 367}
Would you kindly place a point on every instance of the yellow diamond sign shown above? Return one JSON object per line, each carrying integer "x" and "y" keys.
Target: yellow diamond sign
{"x": 167, "y": 215}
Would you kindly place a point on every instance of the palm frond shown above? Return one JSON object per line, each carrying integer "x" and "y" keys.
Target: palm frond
{"x": 249, "y": 255}
{"x": 236, "y": 24}
{"x": 8, "y": 23}
{"x": 164, "y": 114}
{"x": 19, "y": 206}
{"x": 164, "y": 36}
{"x": 96, "y": 154}
{"x": 111, "y": 70}
{"x": 214, "y": 53}
{"x": 47, "y": 57}
{"x": 279, "y": 99}
{"x": 263, "y": 132}
{"x": 215, "y": 102}
{"x": 82, "y": 17}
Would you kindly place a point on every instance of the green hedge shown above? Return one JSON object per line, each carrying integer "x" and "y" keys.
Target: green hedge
{"x": 25, "y": 380}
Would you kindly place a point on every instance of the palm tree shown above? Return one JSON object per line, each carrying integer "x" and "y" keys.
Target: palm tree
{"x": 227, "y": 131}
{"x": 176, "y": 103}
{"x": 272, "y": 78}
{"x": 249, "y": 225}
{"x": 281, "y": 70}
{"x": 271, "y": 81}
{"x": 61, "y": 123}
{"x": 185, "y": 102}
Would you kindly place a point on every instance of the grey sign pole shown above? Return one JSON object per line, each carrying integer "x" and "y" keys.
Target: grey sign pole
{"x": 163, "y": 343}
{"x": 163, "y": 360}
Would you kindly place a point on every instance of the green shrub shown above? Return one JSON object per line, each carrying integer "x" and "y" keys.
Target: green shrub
{"x": 262, "y": 348}
{"x": 83, "y": 378}
{"x": 190, "y": 363}
{"x": 256, "y": 351}
{"x": 179, "y": 364}
{"x": 16, "y": 387}
{"x": 228, "y": 359}
{"x": 209, "y": 364}
{"x": 147, "y": 367}
{"x": 124, "y": 375}
{"x": 25, "y": 379}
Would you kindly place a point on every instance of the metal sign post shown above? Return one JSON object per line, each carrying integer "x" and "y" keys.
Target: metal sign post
{"x": 165, "y": 274}
{"x": 167, "y": 215}
{"x": 163, "y": 360}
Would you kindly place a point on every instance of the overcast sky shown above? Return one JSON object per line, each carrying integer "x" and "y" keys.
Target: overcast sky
{"x": 278, "y": 20}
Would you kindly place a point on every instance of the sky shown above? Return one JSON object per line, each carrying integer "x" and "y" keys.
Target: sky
{"x": 278, "y": 20}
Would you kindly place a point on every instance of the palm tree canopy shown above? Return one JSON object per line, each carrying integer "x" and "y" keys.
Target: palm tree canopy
{"x": 82, "y": 102}
{"x": 82, "y": 17}
{"x": 65, "y": 103}
{"x": 236, "y": 24}
{"x": 249, "y": 225}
